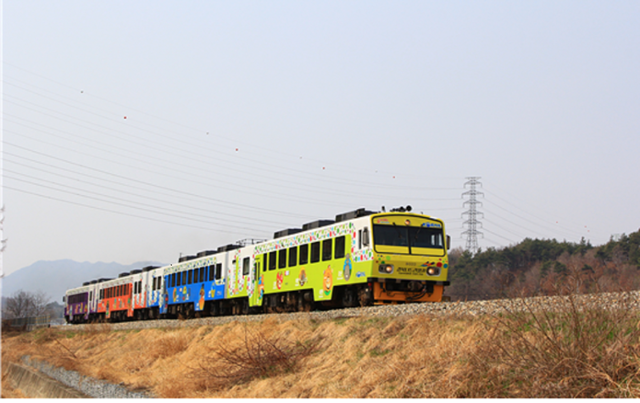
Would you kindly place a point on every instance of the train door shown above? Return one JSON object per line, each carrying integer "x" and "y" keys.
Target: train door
{"x": 164, "y": 293}
{"x": 256, "y": 285}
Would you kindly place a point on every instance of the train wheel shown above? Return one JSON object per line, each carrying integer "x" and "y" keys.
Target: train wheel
{"x": 365, "y": 296}
{"x": 349, "y": 298}
{"x": 215, "y": 309}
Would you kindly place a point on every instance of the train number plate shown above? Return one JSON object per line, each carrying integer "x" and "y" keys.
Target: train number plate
{"x": 412, "y": 271}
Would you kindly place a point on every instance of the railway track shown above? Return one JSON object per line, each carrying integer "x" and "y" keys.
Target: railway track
{"x": 628, "y": 300}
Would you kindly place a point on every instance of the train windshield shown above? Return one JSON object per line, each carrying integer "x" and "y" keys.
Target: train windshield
{"x": 404, "y": 239}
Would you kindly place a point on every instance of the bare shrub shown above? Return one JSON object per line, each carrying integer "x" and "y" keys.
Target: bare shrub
{"x": 259, "y": 356}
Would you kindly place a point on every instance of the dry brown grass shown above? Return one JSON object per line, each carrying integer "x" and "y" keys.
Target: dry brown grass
{"x": 565, "y": 354}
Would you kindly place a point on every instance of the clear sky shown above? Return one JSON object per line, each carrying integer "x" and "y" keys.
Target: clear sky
{"x": 142, "y": 130}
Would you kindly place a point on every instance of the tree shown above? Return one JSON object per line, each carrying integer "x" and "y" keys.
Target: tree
{"x": 24, "y": 304}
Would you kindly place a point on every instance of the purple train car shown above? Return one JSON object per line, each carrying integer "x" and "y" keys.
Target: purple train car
{"x": 76, "y": 307}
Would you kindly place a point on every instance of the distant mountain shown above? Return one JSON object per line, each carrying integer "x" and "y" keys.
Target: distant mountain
{"x": 55, "y": 277}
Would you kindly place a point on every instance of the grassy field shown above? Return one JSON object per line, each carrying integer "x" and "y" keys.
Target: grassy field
{"x": 570, "y": 352}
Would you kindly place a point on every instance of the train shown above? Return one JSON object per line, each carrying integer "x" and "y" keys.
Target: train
{"x": 361, "y": 258}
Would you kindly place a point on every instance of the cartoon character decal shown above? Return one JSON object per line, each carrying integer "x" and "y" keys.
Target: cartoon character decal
{"x": 327, "y": 284}
{"x": 279, "y": 280}
{"x": 302, "y": 277}
{"x": 201, "y": 302}
{"x": 260, "y": 289}
{"x": 347, "y": 267}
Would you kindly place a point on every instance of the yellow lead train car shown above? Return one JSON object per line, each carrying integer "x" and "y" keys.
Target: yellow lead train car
{"x": 362, "y": 258}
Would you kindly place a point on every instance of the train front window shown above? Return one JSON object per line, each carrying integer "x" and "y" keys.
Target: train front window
{"x": 390, "y": 235}
{"x": 408, "y": 240}
{"x": 421, "y": 237}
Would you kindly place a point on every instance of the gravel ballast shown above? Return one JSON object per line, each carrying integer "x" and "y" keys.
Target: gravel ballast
{"x": 87, "y": 385}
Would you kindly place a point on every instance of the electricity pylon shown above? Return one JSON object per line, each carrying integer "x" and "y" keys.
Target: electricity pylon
{"x": 472, "y": 222}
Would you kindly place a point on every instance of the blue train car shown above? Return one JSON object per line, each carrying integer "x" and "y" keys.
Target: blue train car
{"x": 196, "y": 284}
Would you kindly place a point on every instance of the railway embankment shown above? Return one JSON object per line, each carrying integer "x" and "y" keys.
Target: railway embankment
{"x": 574, "y": 346}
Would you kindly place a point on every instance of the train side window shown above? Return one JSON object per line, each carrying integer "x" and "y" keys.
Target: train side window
{"x": 196, "y": 274}
{"x": 282, "y": 258}
{"x": 101, "y": 293}
{"x": 173, "y": 280}
{"x": 304, "y": 254}
{"x": 365, "y": 237}
{"x": 203, "y": 274}
{"x": 179, "y": 278}
{"x": 184, "y": 278}
{"x": 246, "y": 267}
{"x": 91, "y": 296}
{"x": 359, "y": 239}
{"x": 212, "y": 272}
{"x": 190, "y": 277}
{"x": 326, "y": 249}
{"x": 218, "y": 271}
{"x": 293, "y": 256}
{"x": 315, "y": 252}
{"x": 273, "y": 257}
{"x": 264, "y": 262}
{"x": 340, "y": 245}
{"x": 140, "y": 286}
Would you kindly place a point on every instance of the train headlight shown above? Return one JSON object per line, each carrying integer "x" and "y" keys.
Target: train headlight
{"x": 433, "y": 271}
{"x": 386, "y": 268}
